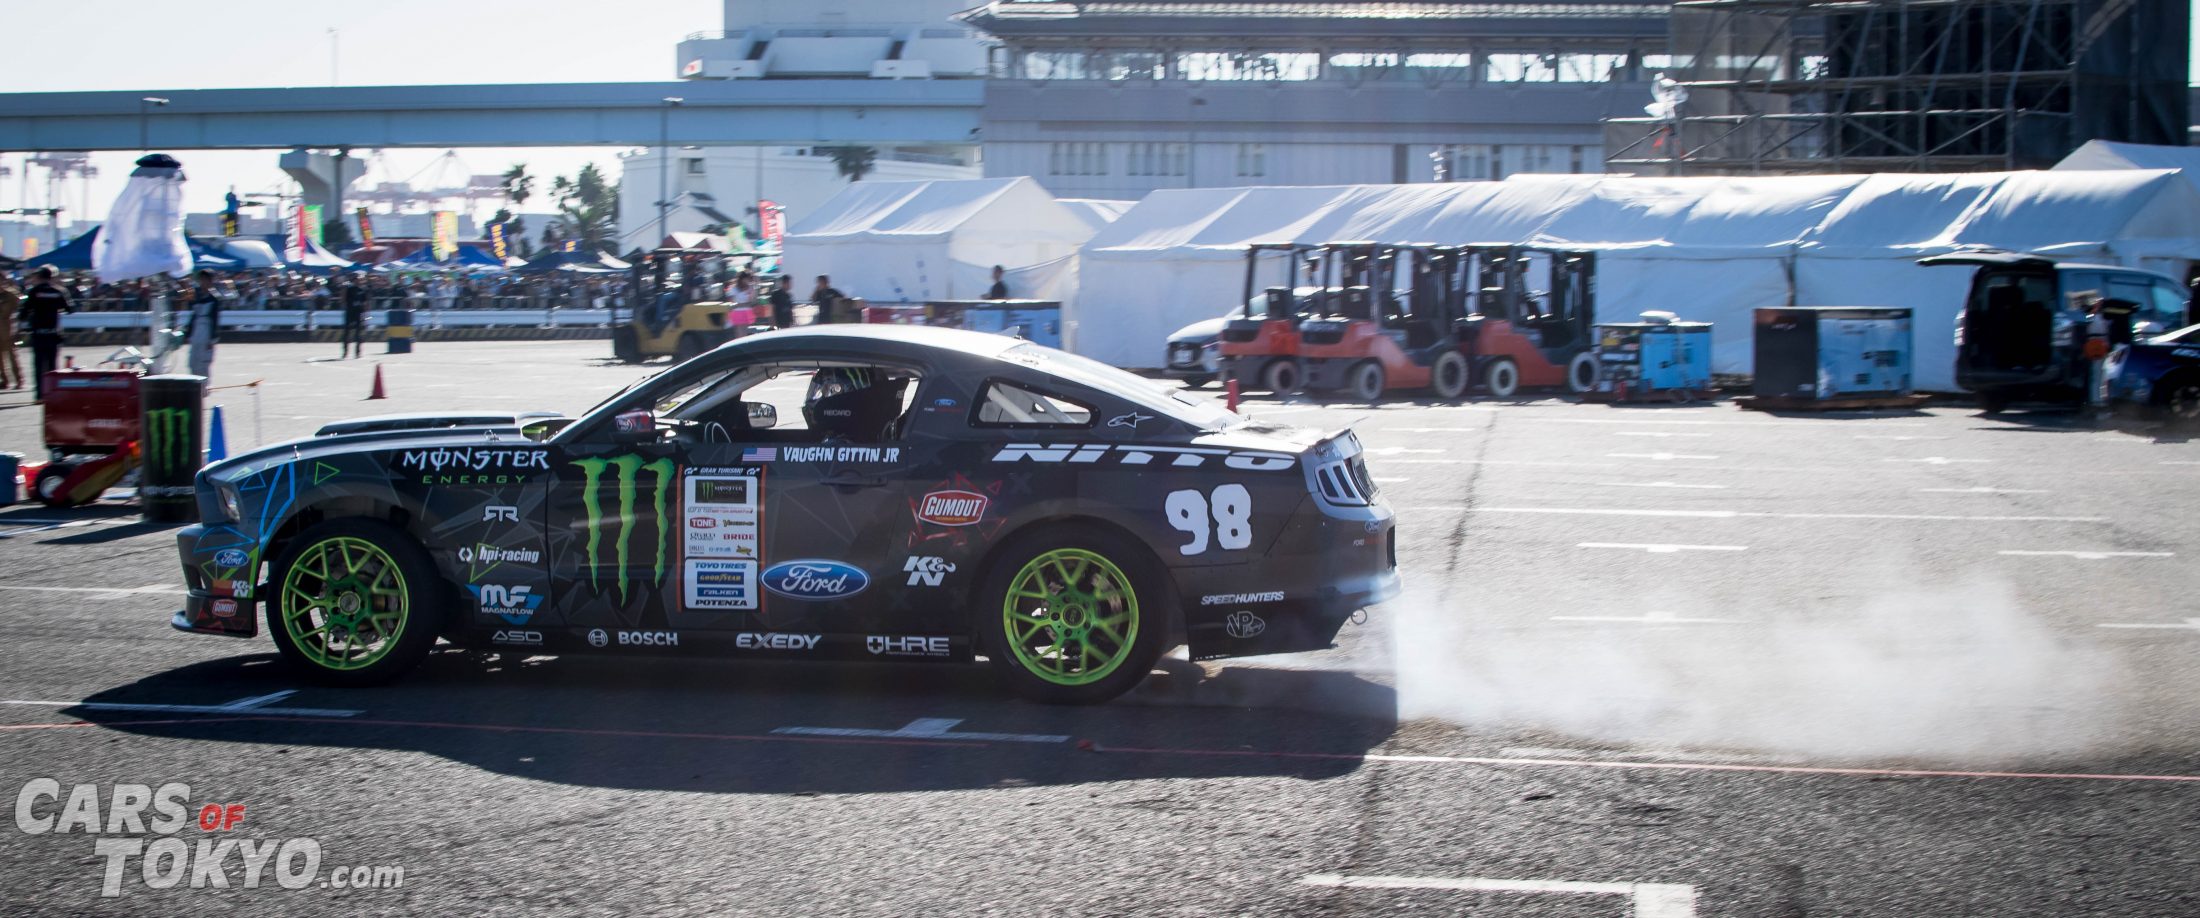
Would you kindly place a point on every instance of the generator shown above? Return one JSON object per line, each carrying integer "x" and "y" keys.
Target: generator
{"x": 1833, "y": 352}
{"x": 1656, "y": 358}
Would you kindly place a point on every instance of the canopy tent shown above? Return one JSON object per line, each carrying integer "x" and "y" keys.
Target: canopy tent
{"x": 253, "y": 253}
{"x": 208, "y": 256}
{"x": 74, "y": 255}
{"x": 920, "y": 241}
{"x": 313, "y": 258}
{"x": 1096, "y": 212}
{"x": 2108, "y": 155}
{"x": 573, "y": 263}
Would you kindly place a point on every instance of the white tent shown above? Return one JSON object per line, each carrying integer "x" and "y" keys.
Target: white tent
{"x": 918, "y": 241}
{"x": 1096, "y": 212}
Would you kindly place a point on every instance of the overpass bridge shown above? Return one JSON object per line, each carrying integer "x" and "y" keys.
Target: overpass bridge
{"x": 710, "y": 113}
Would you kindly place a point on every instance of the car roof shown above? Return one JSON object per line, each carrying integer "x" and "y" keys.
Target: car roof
{"x": 976, "y": 344}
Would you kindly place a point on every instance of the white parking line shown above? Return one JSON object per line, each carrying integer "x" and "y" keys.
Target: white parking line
{"x": 1398, "y": 451}
{"x": 2190, "y": 624}
{"x": 1981, "y": 489}
{"x": 925, "y": 728}
{"x": 2090, "y": 555}
{"x": 256, "y": 706}
{"x": 1790, "y": 422}
{"x": 1940, "y": 460}
{"x": 2179, "y": 462}
{"x": 1651, "y": 900}
{"x": 1895, "y": 437}
{"x": 152, "y": 589}
{"x": 1748, "y": 514}
{"x": 1389, "y": 480}
{"x": 1659, "y": 457}
{"x": 1654, "y": 433}
{"x": 1649, "y": 618}
{"x": 1658, "y": 549}
{"x": 1661, "y": 484}
{"x": 1426, "y": 429}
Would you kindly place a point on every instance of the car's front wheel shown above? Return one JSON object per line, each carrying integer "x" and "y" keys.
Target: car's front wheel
{"x": 353, "y": 603}
{"x": 1074, "y": 616}
{"x": 2178, "y": 397}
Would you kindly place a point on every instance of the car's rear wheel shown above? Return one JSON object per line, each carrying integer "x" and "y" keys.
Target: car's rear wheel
{"x": 1074, "y": 616}
{"x": 353, "y": 603}
{"x": 1448, "y": 377}
{"x": 691, "y": 346}
{"x": 1280, "y": 376}
{"x": 2178, "y": 398}
{"x": 1368, "y": 380}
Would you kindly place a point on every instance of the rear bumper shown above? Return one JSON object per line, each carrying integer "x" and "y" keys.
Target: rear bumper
{"x": 1326, "y": 567}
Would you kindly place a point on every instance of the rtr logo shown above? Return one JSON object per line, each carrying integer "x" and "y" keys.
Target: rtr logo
{"x": 927, "y": 571}
{"x": 498, "y": 513}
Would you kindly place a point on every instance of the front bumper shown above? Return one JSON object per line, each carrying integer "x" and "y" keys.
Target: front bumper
{"x": 1191, "y": 361}
{"x": 221, "y": 594}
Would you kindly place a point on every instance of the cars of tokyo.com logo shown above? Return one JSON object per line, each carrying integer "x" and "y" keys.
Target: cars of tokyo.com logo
{"x": 149, "y": 825}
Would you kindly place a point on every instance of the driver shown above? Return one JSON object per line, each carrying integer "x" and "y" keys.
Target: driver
{"x": 853, "y": 403}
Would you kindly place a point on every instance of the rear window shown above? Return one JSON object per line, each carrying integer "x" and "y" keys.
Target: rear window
{"x": 1010, "y": 405}
{"x": 1202, "y": 413}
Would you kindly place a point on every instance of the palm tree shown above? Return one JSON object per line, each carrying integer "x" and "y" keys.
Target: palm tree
{"x": 588, "y": 207}
{"x": 854, "y": 162}
{"x": 518, "y": 185}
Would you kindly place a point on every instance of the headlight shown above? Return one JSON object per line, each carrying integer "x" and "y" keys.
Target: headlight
{"x": 232, "y": 502}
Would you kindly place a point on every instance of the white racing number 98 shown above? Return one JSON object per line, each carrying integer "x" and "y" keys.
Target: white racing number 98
{"x": 1231, "y": 507}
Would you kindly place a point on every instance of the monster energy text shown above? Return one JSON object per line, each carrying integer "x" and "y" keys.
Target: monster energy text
{"x": 628, "y": 468}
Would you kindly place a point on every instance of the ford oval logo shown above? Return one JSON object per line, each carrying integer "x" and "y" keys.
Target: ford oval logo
{"x": 814, "y": 579}
{"x": 231, "y": 557}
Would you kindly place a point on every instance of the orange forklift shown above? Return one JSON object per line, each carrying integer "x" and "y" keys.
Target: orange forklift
{"x": 1260, "y": 339}
{"x": 1516, "y": 339}
{"x": 1396, "y": 324}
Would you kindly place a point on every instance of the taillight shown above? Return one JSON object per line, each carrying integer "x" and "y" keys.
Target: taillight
{"x": 1345, "y": 483}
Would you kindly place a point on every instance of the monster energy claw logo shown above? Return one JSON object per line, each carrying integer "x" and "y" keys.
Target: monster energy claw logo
{"x": 167, "y": 439}
{"x": 629, "y": 468}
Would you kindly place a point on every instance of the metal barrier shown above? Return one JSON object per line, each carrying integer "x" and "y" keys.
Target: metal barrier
{"x": 300, "y": 320}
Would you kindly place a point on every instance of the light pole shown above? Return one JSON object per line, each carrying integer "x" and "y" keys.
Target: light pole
{"x": 145, "y": 111}
{"x": 1191, "y": 148}
{"x": 664, "y": 163}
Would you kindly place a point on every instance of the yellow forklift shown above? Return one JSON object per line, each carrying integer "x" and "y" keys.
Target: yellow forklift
{"x": 668, "y": 318}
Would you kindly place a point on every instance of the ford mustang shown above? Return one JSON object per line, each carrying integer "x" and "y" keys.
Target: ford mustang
{"x": 927, "y": 495}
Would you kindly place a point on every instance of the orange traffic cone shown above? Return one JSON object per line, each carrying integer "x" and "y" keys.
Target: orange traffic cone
{"x": 377, "y": 393}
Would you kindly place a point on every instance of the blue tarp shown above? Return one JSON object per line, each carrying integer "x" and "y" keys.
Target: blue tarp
{"x": 74, "y": 256}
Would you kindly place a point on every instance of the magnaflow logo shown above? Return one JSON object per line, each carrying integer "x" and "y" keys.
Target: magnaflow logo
{"x": 167, "y": 439}
{"x": 813, "y": 579}
{"x": 515, "y": 604}
{"x": 626, "y": 472}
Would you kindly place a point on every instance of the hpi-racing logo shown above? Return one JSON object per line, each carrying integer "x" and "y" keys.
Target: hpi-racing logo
{"x": 628, "y": 469}
{"x": 143, "y": 823}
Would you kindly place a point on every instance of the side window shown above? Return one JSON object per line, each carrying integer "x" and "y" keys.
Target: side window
{"x": 2082, "y": 287}
{"x": 1010, "y": 405}
{"x": 2170, "y": 306}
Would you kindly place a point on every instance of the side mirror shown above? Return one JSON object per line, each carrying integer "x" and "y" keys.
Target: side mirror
{"x": 637, "y": 426}
{"x": 762, "y": 416}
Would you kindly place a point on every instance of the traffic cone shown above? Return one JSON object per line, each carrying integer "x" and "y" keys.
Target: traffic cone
{"x": 217, "y": 441}
{"x": 1231, "y": 388}
{"x": 377, "y": 393}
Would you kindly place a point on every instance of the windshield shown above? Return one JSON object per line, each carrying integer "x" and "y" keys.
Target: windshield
{"x": 1172, "y": 403}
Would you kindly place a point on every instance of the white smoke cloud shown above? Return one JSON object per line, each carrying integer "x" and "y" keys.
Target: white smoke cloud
{"x": 1944, "y": 674}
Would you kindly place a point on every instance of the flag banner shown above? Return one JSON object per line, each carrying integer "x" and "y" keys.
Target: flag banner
{"x": 143, "y": 235}
{"x": 366, "y": 228}
{"x": 446, "y": 234}
{"x": 313, "y": 224}
{"x": 496, "y": 241}
{"x": 774, "y": 220}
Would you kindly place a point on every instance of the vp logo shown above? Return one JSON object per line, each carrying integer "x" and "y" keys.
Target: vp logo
{"x": 498, "y": 513}
{"x": 1243, "y": 624}
{"x": 927, "y": 571}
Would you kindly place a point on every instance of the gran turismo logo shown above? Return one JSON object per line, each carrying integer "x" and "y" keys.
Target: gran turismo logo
{"x": 626, "y": 471}
{"x": 168, "y": 440}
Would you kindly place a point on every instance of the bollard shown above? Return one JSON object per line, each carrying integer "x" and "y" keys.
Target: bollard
{"x": 1232, "y": 388}
{"x": 171, "y": 445}
{"x": 400, "y": 331}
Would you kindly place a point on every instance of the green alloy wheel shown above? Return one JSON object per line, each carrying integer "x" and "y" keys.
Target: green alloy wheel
{"x": 1074, "y": 624}
{"x": 347, "y": 606}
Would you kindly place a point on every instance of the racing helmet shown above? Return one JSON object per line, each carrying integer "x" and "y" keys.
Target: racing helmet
{"x": 852, "y": 403}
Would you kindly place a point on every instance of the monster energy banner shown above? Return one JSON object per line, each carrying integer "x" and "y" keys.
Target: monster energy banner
{"x": 170, "y": 441}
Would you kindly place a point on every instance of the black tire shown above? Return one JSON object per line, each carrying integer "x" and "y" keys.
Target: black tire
{"x": 625, "y": 344}
{"x": 2177, "y": 398}
{"x": 1501, "y": 376}
{"x": 691, "y": 346}
{"x": 1449, "y": 376}
{"x": 1582, "y": 373}
{"x": 1367, "y": 380}
{"x": 1197, "y": 382}
{"x": 1993, "y": 402}
{"x": 1280, "y": 376}
{"x": 416, "y": 579}
{"x": 1148, "y": 592}
{"x": 47, "y": 486}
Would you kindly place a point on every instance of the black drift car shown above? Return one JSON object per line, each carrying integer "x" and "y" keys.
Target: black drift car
{"x": 929, "y": 495}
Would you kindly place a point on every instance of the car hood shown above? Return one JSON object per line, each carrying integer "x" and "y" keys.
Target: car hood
{"x": 1199, "y": 332}
{"x": 344, "y": 443}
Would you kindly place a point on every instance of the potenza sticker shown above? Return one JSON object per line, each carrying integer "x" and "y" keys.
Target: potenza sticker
{"x": 815, "y": 580}
{"x": 1178, "y": 456}
{"x": 721, "y": 585}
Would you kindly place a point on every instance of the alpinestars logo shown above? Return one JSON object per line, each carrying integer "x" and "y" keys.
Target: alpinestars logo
{"x": 167, "y": 439}
{"x": 927, "y": 571}
{"x": 628, "y": 470}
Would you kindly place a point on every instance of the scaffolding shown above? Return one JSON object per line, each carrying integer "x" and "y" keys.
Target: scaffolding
{"x": 1793, "y": 86}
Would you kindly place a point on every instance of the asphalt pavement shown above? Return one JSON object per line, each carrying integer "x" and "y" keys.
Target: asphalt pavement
{"x": 1652, "y": 661}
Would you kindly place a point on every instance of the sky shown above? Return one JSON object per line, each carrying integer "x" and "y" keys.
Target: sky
{"x": 136, "y": 46}
{"x": 131, "y": 45}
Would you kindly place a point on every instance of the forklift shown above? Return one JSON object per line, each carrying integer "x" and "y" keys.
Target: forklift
{"x": 1516, "y": 339}
{"x": 1377, "y": 340}
{"x": 1259, "y": 345}
{"x": 664, "y": 322}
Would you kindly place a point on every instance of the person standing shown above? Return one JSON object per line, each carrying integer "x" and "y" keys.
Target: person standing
{"x": 828, "y": 301}
{"x": 782, "y": 306}
{"x": 203, "y": 329}
{"x": 354, "y": 336}
{"x": 11, "y": 299}
{"x": 41, "y": 314}
{"x": 999, "y": 290}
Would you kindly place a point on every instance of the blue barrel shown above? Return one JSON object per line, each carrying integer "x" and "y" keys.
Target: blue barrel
{"x": 400, "y": 331}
